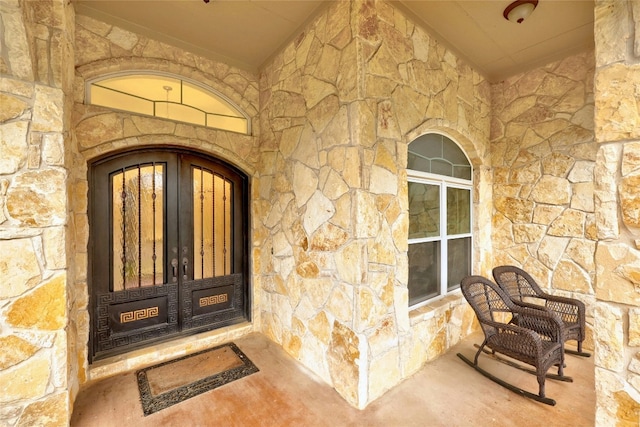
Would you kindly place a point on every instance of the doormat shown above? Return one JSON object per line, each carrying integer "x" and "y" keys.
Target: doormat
{"x": 168, "y": 383}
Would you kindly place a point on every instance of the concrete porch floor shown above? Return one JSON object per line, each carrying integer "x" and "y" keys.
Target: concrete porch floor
{"x": 445, "y": 392}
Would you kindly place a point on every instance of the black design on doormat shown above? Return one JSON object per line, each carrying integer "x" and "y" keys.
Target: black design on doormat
{"x": 153, "y": 403}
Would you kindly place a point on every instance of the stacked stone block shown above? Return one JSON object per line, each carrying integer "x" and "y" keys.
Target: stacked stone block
{"x": 617, "y": 206}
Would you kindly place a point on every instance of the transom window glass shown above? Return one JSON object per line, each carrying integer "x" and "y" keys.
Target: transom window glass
{"x": 440, "y": 240}
{"x": 167, "y": 96}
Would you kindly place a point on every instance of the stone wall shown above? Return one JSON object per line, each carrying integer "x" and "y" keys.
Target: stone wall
{"x": 101, "y": 49}
{"x": 36, "y": 65}
{"x": 543, "y": 156}
{"x": 617, "y": 209}
{"x": 338, "y": 107}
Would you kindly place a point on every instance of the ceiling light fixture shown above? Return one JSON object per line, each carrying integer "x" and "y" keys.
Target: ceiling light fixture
{"x": 519, "y": 10}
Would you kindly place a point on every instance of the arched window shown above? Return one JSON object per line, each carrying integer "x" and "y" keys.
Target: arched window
{"x": 167, "y": 96}
{"x": 439, "y": 177}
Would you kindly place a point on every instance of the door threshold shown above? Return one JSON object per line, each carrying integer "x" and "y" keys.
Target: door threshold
{"x": 147, "y": 356}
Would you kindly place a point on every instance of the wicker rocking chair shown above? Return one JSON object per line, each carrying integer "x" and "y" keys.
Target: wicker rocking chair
{"x": 537, "y": 339}
{"x": 523, "y": 289}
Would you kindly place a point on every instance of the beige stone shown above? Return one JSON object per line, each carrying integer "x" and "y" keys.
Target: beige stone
{"x": 344, "y": 360}
{"x": 53, "y": 242}
{"x": 38, "y": 197}
{"x": 569, "y": 276}
{"x": 569, "y": 224}
{"x": 122, "y": 38}
{"x": 319, "y": 210}
{"x": 13, "y": 145}
{"x": 52, "y": 411}
{"x": 630, "y": 158}
{"x": 615, "y": 266}
{"x": 551, "y": 249}
{"x": 320, "y": 327}
{"x": 328, "y": 238}
{"x": 12, "y": 107}
{"x": 14, "y": 350}
{"x": 340, "y": 304}
{"x": 21, "y": 272}
{"x": 557, "y": 164}
{"x": 552, "y": 190}
{"x": 546, "y": 214}
{"x": 98, "y": 129}
{"x": 630, "y": 200}
{"x": 582, "y": 197}
{"x": 618, "y": 117}
{"x": 528, "y": 233}
{"x": 47, "y": 110}
{"x": 305, "y": 183}
{"x": 517, "y": 210}
{"x": 384, "y": 373}
{"x": 152, "y": 125}
{"x": 634, "y": 330}
{"x": 27, "y": 380}
{"x": 582, "y": 252}
{"x": 610, "y": 338}
{"x": 44, "y": 308}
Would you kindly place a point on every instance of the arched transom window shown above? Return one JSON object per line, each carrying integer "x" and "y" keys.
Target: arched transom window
{"x": 167, "y": 96}
{"x": 439, "y": 177}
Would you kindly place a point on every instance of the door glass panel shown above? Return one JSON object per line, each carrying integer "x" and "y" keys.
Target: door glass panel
{"x": 424, "y": 210}
{"x": 458, "y": 211}
{"x": 424, "y": 271}
{"x": 211, "y": 224}
{"x": 137, "y": 213}
{"x": 458, "y": 261}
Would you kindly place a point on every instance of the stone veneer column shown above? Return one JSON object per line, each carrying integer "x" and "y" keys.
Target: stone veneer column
{"x": 338, "y": 108}
{"x": 36, "y": 367}
{"x": 617, "y": 208}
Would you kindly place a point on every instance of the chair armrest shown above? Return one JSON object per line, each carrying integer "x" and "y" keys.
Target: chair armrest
{"x": 541, "y": 320}
{"x": 569, "y": 309}
{"x": 512, "y": 339}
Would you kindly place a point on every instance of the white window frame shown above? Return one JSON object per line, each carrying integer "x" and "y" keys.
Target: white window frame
{"x": 443, "y": 182}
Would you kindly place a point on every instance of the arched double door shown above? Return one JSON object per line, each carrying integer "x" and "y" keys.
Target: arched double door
{"x": 168, "y": 248}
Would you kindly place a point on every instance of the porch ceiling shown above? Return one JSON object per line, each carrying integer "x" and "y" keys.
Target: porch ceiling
{"x": 247, "y": 33}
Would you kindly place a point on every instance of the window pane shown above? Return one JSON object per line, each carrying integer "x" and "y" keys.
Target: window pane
{"x": 458, "y": 261}
{"x": 212, "y": 245}
{"x": 424, "y": 210}
{"x": 458, "y": 211}
{"x": 137, "y": 199}
{"x": 438, "y": 154}
{"x": 424, "y": 271}
{"x": 182, "y": 113}
{"x": 121, "y": 101}
{"x": 168, "y": 97}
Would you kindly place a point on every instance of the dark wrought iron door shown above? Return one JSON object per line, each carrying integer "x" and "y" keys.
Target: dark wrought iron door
{"x": 168, "y": 248}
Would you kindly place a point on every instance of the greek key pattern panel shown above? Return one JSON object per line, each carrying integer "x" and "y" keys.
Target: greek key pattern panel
{"x": 106, "y": 340}
{"x": 212, "y": 300}
{"x": 235, "y": 311}
{"x": 143, "y": 313}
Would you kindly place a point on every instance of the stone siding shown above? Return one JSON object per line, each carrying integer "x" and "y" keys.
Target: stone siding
{"x": 543, "y": 157}
{"x": 617, "y": 209}
{"x": 339, "y": 106}
{"x": 556, "y": 157}
{"x": 37, "y": 374}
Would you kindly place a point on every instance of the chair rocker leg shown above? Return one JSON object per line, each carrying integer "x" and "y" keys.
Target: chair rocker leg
{"x": 507, "y": 385}
{"x": 577, "y": 352}
{"x": 508, "y": 362}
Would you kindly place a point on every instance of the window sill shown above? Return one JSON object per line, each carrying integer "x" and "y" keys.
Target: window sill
{"x": 435, "y": 307}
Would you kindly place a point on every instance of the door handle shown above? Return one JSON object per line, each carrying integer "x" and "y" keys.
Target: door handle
{"x": 174, "y": 269}
{"x": 185, "y": 263}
